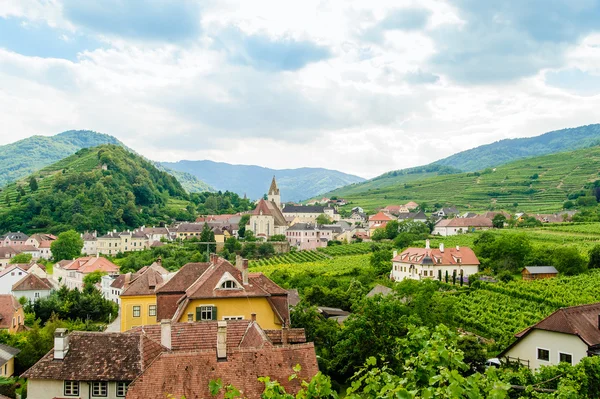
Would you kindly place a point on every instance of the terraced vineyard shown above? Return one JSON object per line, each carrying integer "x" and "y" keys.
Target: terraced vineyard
{"x": 539, "y": 184}
{"x": 499, "y": 311}
{"x": 333, "y": 267}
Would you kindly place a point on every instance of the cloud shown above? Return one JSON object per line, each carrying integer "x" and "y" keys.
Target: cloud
{"x": 38, "y": 39}
{"x": 270, "y": 53}
{"x": 575, "y": 81}
{"x": 499, "y": 41}
{"x": 420, "y": 77}
{"x": 160, "y": 20}
{"x": 403, "y": 19}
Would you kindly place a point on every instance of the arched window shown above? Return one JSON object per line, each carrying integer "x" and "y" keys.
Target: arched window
{"x": 228, "y": 284}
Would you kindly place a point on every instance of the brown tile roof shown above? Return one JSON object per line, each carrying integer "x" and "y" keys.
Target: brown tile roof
{"x": 581, "y": 321}
{"x": 190, "y": 227}
{"x": 96, "y": 356}
{"x": 379, "y": 290}
{"x": 8, "y": 306}
{"x": 450, "y": 256}
{"x": 144, "y": 284}
{"x": 91, "y": 264}
{"x": 27, "y": 266}
{"x": 7, "y": 252}
{"x": 380, "y": 216}
{"x": 180, "y": 282}
{"x": 119, "y": 282}
{"x": 465, "y": 222}
{"x": 24, "y": 248}
{"x": 265, "y": 207}
{"x": 32, "y": 282}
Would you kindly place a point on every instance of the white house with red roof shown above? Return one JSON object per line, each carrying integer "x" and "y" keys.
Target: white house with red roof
{"x": 9, "y": 276}
{"x": 434, "y": 263}
{"x": 379, "y": 221}
{"x": 267, "y": 219}
{"x": 71, "y": 273}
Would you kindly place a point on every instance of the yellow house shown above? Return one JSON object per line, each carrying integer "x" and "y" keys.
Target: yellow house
{"x": 138, "y": 299}
{"x": 7, "y": 360}
{"x": 219, "y": 290}
{"x": 12, "y": 316}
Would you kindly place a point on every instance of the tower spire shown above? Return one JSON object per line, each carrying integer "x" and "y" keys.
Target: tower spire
{"x": 273, "y": 190}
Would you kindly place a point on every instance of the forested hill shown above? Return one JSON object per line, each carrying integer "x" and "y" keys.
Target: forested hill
{"x": 505, "y": 151}
{"x": 295, "y": 184}
{"x": 24, "y": 157}
{"x": 99, "y": 188}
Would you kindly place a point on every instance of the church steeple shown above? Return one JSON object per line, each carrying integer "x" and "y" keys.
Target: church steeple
{"x": 274, "y": 193}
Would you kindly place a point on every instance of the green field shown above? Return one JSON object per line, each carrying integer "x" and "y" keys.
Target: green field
{"x": 539, "y": 184}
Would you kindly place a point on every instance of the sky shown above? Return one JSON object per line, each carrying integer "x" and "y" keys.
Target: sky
{"x": 360, "y": 86}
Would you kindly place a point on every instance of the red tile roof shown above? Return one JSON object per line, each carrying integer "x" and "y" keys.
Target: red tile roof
{"x": 144, "y": 283}
{"x": 450, "y": 256}
{"x": 8, "y": 306}
{"x": 380, "y": 216}
{"x": 265, "y": 207}
{"x": 32, "y": 282}
{"x": 91, "y": 264}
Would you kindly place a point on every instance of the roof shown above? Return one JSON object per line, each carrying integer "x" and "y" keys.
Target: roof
{"x": 190, "y": 227}
{"x": 450, "y": 256}
{"x": 7, "y": 252}
{"x": 381, "y": 216}
{"x": 379, "y": 289}
{"x": 265, "y": 207}
{"x": 24, "y": 248}
{"x": 465, "y": 222}
{"x": 87, "y": 236}
{"x": 144, "y": 284}
{"x": 27, "y": 266}
{"x": 411, "y": 205}
{"x": 18, "y": 236}
{"x": 302, "y": 227}
{"x": 8, "y": 306}
{"x": 183, "y": 278}
{"x": 7, "y": 353}
{"x": 31, "y": 282}
{"x": 94, "y": 356}
{"x": 331, "y": 312}
{"x": 541, "y": 269}
{"x": 91, "y": 264}
{"x": 10, "y": 268}
{"x": 306, "y": 209}
{"x": 293, "y": 297}
{"x": 273, "y": 190}
{"x": 412, "y": 215}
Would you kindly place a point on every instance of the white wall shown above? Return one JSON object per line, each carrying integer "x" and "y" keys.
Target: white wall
{"x": 49, "y": 389}
{"x": 401, "y": 271}
{"x": 31, "y": 295}
{"x": 555, "y": 342}
{"x": 9, "y": 279}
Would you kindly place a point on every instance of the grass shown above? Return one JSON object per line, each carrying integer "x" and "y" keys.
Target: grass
{"x": 539, "y": 184}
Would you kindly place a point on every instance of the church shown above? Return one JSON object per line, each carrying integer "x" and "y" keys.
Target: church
{"x": 267, "y": 219}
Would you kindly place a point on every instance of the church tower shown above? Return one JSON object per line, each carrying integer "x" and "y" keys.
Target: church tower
{"x": 274, "y": 193}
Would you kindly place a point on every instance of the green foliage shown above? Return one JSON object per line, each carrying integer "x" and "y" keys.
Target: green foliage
{"x": 21, "y": 258}
{"x": 569, "y": 261}
{"x": 323, "y": 219}
{"x": 379, "y": 234}
{"x": 498, "y": 221}
{"x": 232, "y": 245}
{"x": 68, "y": 245}
{"x": 381, "y": 262}
{"x": 242, "y": 225}
{"x": 507, "y": 252}
{"x": 77, "y": 193}
{"x": 74, "y": 304}
{"x": 33, "y": 184}
{"x": 218, "y": 203}
{"x": 93, "y": 278}
{"x": 277, "y": 238}
{"x": 594, "y": 257}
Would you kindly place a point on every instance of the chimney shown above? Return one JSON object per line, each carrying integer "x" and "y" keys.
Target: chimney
{"x": 221, "y": 340}
{"x": 427, "y": 244}
{"x": 238, "y": 262}
{"x": 61, "y": 343}
{"x": 285, "y": 331}
{"x": 458, "y": 248}
{"x": 213, "y": 258}
{"x": 395, "y": 254}
{"x": 165, "y": 333}
{"x": 253, "y": 317}
{"x": 159, "y": 260}
{"x": 245, "y": 271}
{"x": 442, "y": 247}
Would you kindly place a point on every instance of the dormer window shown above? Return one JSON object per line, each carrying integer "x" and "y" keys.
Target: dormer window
{"x": 229, "y": 284}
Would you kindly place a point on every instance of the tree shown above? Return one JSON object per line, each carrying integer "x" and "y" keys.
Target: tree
{"x": 266, "y": 250}
{"x": 594, "y": 255}
{"x": 93, "y": 278}
{"x": 323, "y": 219}
{"x": 33, "y": 184}
{"x": 242, "y": 225}
{"x": 207, "y": 235}
{"x": 67, "y": 246}
{"x": 381, "y": 261}
{"x": 498, "y": 221}
{"x": 21, "y": 258}
{"x": 569, "y": 261}
{"x": 379, "y": 234}
{"x": 391, "y": 229}
{"x": 277, "y": 238}
{"x": 232, "y": 245}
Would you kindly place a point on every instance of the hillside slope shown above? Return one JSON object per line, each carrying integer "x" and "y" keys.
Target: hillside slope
{"x": 295, "y": 184}
{"x": 99, "y": 188}
{"x": 539, "y": 184}
{"x": 29, "y": 155}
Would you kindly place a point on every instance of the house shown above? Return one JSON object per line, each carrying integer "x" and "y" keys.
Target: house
{"x": 9, "y": 276}
{"x": 6, "y": 254}
{"x": 468, "y": 215}
{"x": 310, "y": 213}
{"x": 90, "y": 243}
{"x": 379, "y": 221}
{"x": 115, "y": 242}
{"x": 434, "y": 263}
{"x": 33, "y": 268}
{"x": 218, "y": 290}
{"x": 267, "y": 219}
{"x": 395, "y": 209}
{"x": 10, "y": 239}
{"x": 446, "y": 212}
{"x": 308, "y": 236}
{"x": 567, "y": 335}
{"x": 358, "y": 217}
{"x": 27, "y": 249}
{"x": 138, "y": 298}
{"x": 411, "y": 205}
{"x": 336, "y": 314}
{"x": 452, "y": 227}
{"x": 158, "y": 234}
{"x": 42, "y": 242}
{"x": 171, "y": 360}
{"x": 7, "y": 360}
{"x": 32, "y": 288}
{"x": 550, "y": 218}
{"x": 106, "y": 282}
{"x": 538, "y": 272}
{"x": 414, "y": 216}
{"x": 71, "y": 273}
{"x": 12, "y": 317}
{"x": 358, "y": 209}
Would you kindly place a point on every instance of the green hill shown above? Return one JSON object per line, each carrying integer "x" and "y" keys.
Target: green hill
{"x": 99, "y": 188}
{"x": 540, "y": 184}
{"x": 29, "y": 155}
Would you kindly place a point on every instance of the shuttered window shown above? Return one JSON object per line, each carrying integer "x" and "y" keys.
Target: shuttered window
{"x": 204, "y": 313}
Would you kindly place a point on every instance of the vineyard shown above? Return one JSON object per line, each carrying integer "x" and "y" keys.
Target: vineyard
{"x": 499, "y": 311}
{"x": 331, "y": 267}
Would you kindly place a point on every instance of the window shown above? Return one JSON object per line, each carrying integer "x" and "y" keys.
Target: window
{"x": 206, "y": 313}
{"x": 14, "y": 322}
{"x": 5, "y": 368}
{"x": 71, "y": 388}
{"x": 19, "y": 319}
{"x": 565, "y": 357}
{"x": 543, "y": 354}
{"x": 100, "y": 388}
{"x": 152, "y": 310}
{"x": 122, "y": 389}
{"x": 190, "y": 317}
{"x": 137, "y": 311}
{"x": 227, "y": 318}
{"x": 229, "y": 284}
